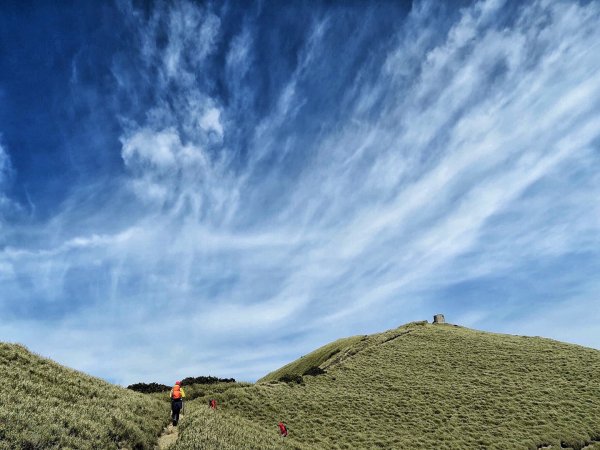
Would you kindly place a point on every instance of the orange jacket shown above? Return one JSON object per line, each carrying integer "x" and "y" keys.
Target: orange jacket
{"x": 177, "y": 392}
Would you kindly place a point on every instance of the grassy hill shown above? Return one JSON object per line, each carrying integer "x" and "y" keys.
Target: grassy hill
{"x": 47, "y": 406}
{"x": 420, "y": 386}
{"x": 322, "y": 357}
{"x": 205, "y": 429}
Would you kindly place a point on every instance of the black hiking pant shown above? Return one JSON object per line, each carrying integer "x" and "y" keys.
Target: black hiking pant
{"x": 176, "y": 406}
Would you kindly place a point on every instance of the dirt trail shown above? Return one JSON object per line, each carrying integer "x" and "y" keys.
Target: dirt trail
{"x": 168, "y": 437}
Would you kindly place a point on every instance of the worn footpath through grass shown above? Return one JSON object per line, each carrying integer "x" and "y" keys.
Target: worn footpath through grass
{"x": 168, "y": 438}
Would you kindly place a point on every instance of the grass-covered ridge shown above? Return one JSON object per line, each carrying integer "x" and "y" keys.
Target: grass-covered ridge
{"x": 44, "y": 405}
{"x": 419, "y": 386}
{"x": 333, "y": 354}
{"x": 317, "y": 358}
{"x": 426, "y": 386}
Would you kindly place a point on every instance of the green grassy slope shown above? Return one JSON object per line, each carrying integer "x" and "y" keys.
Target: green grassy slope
{"x": 47, "y": 406}
{"x": 205, "y": 429}
{"x": 337, "y": 349}
{"x": 426, "y": 386}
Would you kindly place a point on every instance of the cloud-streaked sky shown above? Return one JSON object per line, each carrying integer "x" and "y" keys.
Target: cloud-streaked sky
{"x": 220, "y": 187}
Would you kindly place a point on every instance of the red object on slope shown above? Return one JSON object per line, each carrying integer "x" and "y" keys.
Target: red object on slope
{"x": 283, "y": 429}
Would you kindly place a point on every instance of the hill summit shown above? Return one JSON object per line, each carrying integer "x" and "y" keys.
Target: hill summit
{"x": 430, "y": 386}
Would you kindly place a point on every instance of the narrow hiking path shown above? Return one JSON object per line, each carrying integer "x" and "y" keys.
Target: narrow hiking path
{"x": 168, "y": 437}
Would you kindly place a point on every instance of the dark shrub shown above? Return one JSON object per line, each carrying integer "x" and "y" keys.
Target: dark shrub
{"x": 205, "y": 380}
{"x": 314, "y": 371}
{"x": 288, "y": 378}
{"x": 148, "y": 388}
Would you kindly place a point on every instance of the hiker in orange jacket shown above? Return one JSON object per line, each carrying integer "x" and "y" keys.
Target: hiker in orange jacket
{"x": 177, "y": 395}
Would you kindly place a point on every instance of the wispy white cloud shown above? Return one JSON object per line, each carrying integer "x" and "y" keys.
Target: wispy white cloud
{"x": 211, "y": 121}
{"x": 6, "y": 174}
{"x": 466, "y": 154}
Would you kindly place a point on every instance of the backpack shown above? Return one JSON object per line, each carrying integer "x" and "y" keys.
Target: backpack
{"x": 176, "y": 393}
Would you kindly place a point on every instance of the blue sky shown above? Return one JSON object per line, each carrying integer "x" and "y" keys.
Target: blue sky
{"x": 221, "y": 187}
